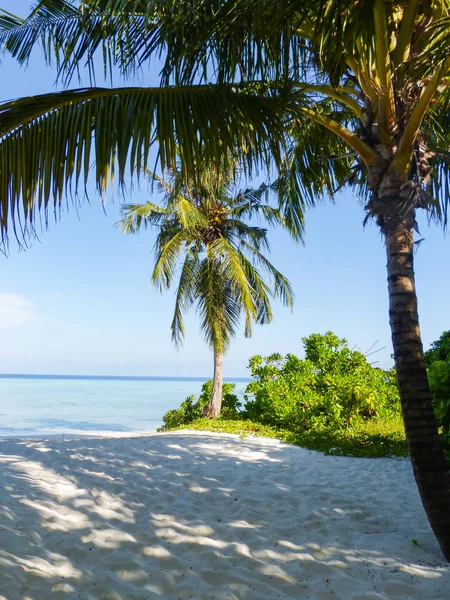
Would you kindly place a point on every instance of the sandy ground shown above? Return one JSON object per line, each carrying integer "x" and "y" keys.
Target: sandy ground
{"x": 215, "y": 517}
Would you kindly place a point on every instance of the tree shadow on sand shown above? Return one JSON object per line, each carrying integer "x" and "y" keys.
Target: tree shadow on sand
{"x": 203, "y": 516}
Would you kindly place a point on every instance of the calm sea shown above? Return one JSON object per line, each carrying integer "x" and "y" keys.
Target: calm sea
{"x": 53, "y": 405}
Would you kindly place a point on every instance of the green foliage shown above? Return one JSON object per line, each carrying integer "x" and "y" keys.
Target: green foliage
{"x": 256, "y": 78}
{"x": 333, "y": 401}
{"x": 388, "y": 439}
{"x": 439, "y": 379}
{"x": 439, "y": 350}
{"x": 192, "y": 408}
{"x": 333, "y": 388}
{"x": 205, "y": 242}
{"x": 437, "y": 359}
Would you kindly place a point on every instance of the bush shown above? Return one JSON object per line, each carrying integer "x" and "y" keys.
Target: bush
{"x": 192, "y": 408}
{"x": 439, "y": 350}
{"x": 437, "y": 359}
{"x": 333, "y": 388}
{"x": 439, "y": 378}
{"x": 332, "y": 401}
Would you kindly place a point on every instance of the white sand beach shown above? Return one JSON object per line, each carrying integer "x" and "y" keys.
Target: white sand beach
{"x": 214, "y": 517}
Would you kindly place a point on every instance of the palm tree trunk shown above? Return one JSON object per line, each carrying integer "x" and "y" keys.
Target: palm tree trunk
{"x": 429, "y": 465}
{"x": 215, "y": 402}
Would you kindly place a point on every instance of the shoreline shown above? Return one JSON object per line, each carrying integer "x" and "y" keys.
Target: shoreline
{"x": 77, "y": 434}
{"x": 198, "y": 515}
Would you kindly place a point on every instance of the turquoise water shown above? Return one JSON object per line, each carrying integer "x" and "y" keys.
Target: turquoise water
{"x": 49, "y": 405}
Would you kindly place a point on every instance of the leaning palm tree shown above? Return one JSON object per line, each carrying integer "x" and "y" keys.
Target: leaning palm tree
{"x": 358, "y": 90}
{"x": 203, "y": 228}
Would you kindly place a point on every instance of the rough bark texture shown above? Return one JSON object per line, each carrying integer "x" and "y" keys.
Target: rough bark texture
{"x": 430, "y": 467}
{"x": 215, "y": 403}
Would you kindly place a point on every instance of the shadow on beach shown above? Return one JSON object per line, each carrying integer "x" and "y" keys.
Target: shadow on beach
{"x": 207, "y": 516}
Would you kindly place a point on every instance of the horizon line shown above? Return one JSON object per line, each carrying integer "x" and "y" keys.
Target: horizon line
{"x": 143, "y": 377}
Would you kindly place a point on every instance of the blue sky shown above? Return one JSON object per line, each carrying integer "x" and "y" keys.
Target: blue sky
{"x": 79, "y": 300}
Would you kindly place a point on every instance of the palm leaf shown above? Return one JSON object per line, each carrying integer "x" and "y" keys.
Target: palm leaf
{"x": 251, "y": 290}
{"x": 185, "y": 296}
{"x": 168, "y": 252}
{"x": 281, "y": 286}
{"x": 48, "y": 142}
{"x": 137, "y": 215}
{"x": 238, "y": 229}
{"x": 218, "y": 305}
{"x": 71, "y": 35}
{"x": 190, "y": 216}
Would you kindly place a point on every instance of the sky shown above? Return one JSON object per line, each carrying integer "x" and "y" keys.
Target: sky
{"x": 79, "y": 300}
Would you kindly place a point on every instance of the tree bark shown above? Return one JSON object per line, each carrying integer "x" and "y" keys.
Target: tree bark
{"x": 428, "y": 461}
{"x": 215, "y": 402}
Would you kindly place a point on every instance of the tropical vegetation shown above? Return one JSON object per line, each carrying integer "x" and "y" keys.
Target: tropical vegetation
{"x": 437, "y": 359}
{"x": 356, "y": 92}
{"x": 333, "y": 400}
{"x": 333, "y": 388}
{"x": 203, "y": 229}
{"x": 192, "y": 408}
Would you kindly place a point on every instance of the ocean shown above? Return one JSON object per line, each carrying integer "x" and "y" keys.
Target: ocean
{"x": 59, "y": 404}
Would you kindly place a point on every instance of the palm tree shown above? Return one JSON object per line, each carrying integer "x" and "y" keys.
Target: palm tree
{"x": 50, "y": 142}
{"x": 202, "y": 228}
{"x": 358, "y": 90}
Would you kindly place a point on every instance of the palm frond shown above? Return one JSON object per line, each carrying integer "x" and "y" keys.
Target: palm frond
{"x": 318, "y": 164}
{"x": 70, "y": 34}
{"x": 281, "y": 286}
{"x": 48, "y": 142}
{"x": 240, "y": 230}
{"x": 437, "y": 184}
{"x": 185, "y": 296}
{"x": 8, "y": 22}
{"x": 189, "y": 34}
{"x": 218, "y": 305}
{"x": 189, "y": 215}
{"x": 234, "y": 263}
{"x": 168, "y": 252}
{"x": 253, "y": 292}
{"x": 254, "y": 203}
{"x": 137, "y": 215}
{"x": 163, "y": 186}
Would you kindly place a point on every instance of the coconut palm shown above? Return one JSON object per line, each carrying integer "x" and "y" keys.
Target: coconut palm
{"x": 203, "y": 228}
{"x": 359, "y": 90}
{"x": 50, "y": 142}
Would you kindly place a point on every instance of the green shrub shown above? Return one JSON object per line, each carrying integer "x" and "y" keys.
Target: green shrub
{"x": 439, "y": 350}
{"x": 333, "y": 401}
{"x": 192, "y": 408}
{"x": 333, "y": 388}
{"x": 439, "y": 378}
{"x": 437, "y": 360}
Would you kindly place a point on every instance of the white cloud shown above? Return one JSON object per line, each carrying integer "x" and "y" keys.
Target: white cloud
{"x": 15, "y": 311}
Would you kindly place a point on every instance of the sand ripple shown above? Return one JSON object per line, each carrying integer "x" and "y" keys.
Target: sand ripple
{"x": 212, "y": 517}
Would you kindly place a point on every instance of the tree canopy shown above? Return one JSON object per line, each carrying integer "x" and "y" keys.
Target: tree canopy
{"x": 204, "y": 228}
{"x": 351, "y": 91}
